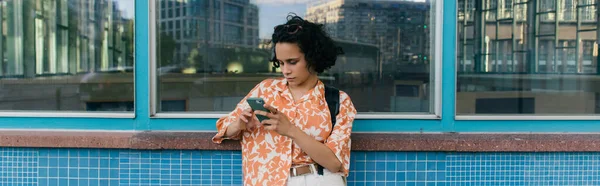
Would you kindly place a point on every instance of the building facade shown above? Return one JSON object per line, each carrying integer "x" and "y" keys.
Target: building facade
{"x": 508, "y": 94}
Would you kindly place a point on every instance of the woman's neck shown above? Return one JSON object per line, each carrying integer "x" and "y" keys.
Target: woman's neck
{"x": 306, "y": 85}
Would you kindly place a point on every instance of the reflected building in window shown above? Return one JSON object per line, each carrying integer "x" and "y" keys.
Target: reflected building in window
{"x": 398, "y": 34}
{"x": 202, "y": 33}
{"x": 528, "y": 57}
{"x": 66, "y": 55}
{"x": 398, "y": 28}
{"x": 50, "y": 37}
{"x": 519, "y": 36}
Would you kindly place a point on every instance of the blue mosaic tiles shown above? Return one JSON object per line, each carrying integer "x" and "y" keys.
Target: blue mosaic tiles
{"x": 112, "y": 167}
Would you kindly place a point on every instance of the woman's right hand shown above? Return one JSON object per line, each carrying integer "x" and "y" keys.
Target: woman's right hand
{"x": 247, "y": 120}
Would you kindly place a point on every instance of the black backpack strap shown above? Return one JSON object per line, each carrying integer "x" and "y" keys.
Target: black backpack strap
{"x": 332, "y": 96}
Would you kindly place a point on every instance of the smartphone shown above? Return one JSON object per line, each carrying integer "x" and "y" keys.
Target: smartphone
{"x": 257, "y": 104}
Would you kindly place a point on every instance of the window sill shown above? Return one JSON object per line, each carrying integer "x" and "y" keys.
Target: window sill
{"x": 446, "y": 142}
{"x": 539, "y": 117}
{"x": 66, "y": 114}
{"x": 216, "y": 115}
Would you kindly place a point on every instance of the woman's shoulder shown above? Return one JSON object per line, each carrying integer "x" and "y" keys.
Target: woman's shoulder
{"x": 344, "y": 96}
{"x": 345, "y": 100}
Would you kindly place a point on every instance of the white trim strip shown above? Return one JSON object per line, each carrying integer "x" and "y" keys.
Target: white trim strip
{"x": 526, "y": 117}
{"x": 398, "y": 116}
{"x": 439, "y": 31}
{"x": 73, "y": 131}
{"x": 152, "y": 58}
{"x": 199, "y": 115}
{"x": 54, "y": 114}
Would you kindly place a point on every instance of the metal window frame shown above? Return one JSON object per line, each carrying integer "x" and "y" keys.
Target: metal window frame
{"x": 438, "y": 7}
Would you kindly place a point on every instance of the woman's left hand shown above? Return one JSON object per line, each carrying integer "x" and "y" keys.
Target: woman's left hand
{"x": 277, "y": 121}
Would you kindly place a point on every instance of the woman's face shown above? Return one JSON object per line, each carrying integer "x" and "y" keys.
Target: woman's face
{"x": 292, "y": 63}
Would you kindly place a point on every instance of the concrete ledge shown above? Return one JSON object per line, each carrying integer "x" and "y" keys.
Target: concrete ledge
{"x": 180, "y": 140}
{"x": 447, "y": 142}
{"x": 70, "y": 139}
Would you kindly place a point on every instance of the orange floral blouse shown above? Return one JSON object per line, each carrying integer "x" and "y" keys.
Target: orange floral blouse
{"x": 267, "y": 156}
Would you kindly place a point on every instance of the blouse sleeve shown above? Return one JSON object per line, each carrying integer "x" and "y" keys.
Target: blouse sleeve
{"x": 339, "y": 140}
{"x": 230, "y": 118}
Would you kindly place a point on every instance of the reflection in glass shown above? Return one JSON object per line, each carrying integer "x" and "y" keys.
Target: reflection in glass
{"x": 225, "y": 51}
{"x": 66, "y": 55}
{"x": 540, "y": 59}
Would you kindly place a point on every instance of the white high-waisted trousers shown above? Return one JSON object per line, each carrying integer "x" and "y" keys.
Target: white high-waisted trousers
{"x": 327, "y": 179}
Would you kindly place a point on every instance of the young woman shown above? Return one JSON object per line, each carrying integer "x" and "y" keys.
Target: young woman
{"x": 296, "y": 145}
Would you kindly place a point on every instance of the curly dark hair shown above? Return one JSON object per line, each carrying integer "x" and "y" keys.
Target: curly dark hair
{"x": 319, "y": 49}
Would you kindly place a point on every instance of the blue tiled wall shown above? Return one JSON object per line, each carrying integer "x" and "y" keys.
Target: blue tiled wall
{"x": 102, "y": 167}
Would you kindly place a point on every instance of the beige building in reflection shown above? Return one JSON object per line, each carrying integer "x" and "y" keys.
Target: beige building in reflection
{"x": 507, "y": 39}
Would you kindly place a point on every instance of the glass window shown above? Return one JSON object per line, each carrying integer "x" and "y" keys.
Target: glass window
{"x": 540, "y": 60}
{"x": 199, "y": 7}
{"x": 66, "y": 55}
{"x": 233, "y": 34}
{"x": 216, "y": 9}
{"x": 234, "y": 13}
{"x": 216, "y": 36}
{"x": 252, "y": 17}
{"x": 387, "y": 66}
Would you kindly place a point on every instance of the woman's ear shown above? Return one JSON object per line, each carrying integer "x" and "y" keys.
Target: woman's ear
{"x": 311, "y": 69}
